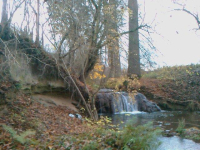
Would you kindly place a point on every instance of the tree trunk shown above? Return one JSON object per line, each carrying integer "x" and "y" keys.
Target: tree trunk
{"x": 5, "y": 26}
{"x": 113, "y": 46}
{"x": 38, "y": 24}
{"x": 117, "y": 62}
{"x": 134, "y": 54}
{"x": 4, "y": 17}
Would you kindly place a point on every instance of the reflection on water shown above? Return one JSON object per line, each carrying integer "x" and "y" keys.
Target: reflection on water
{"x": 167, "y": 120}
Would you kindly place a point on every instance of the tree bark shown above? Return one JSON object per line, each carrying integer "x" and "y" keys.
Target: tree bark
{"x": 38, "y": 24}
{"x": 4, "y": 17}
{"x": 134, "y": 54}
{"x": 5, "y": 27}
{"x": 113, "y": 46}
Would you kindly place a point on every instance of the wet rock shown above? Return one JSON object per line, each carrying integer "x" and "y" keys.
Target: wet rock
{"x": 104, "y": 102}
{"x": 72, "y": 116}
{"x": 145, "y": 105}
{"x": 168, "y": 133}
{"x": 167, "y": 124}
{"x": 78, "y": 116}
{"x": 193, "y": 131}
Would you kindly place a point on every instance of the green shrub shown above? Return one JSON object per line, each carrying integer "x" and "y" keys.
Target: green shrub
{"x": 174, "y": 72}
{"x": 181, "y": 126}
{"x": 20, "y": 138}
{"x": 139, "y": 138}
{"x": 91, "y": 146}
{"x": 131, "y": 137}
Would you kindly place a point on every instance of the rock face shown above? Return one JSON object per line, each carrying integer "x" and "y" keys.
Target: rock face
{"x": 108, "y": 101}
{"x": 104, "y": 102}
{"x": 145, "y": 105}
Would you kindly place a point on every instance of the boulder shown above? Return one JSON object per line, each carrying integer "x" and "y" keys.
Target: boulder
{"x": 104, "y": 102}
{"x": 145, "y": 105}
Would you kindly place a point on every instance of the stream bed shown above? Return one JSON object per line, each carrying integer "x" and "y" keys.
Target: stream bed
{"x": 168, "y": 120}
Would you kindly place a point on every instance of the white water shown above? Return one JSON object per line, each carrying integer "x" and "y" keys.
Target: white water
{"x": 124, "y": 104}
{"x": 131, "y": 113}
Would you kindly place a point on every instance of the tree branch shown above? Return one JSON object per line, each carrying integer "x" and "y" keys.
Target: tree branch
{"x": 193, "y": 15}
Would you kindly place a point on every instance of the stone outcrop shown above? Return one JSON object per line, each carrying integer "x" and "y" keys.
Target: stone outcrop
{"x": 145, "y": 105}
{"x": 104, "y": 101}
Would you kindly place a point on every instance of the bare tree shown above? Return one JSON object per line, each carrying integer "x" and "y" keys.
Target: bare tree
{"x": 37, "y": 23}
{"x": 5, "y": 21}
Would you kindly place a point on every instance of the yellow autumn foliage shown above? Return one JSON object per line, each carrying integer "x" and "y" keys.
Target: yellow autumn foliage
{"x": 97, "y": 73}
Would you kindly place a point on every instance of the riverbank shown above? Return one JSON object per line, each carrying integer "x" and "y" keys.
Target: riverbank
{"x": 173, "y": 88}
{"x": 26, "y": 123}
{"x": 30, "y": 122}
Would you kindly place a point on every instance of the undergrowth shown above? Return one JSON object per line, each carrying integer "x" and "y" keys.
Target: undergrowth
{"x": 175, "y": 72}
{"x": 23, "y": 138}
{"x": 192, "y": 133}
{"x": 179, "y": 83}
{"x": 54, "y": 129}
{"x": 123, "y": 83}
{"x": 131, "y": 137}
{"x": 181, "y": 125}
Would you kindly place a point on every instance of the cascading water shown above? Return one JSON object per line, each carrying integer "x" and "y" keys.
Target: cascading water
{"x": 108, "y": 101}
{"x": 115, "y": 102}
{"x": 123, "y": 103}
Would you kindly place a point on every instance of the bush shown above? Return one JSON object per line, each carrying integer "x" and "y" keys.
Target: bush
{"x": 91, "y": 146}
{"x": 131, "y": 137}
{"x": 181, "y": 126}
{"x": 20, "y": 138}
{"x": 123, "y": 83}
{"x": 139, "y": 138}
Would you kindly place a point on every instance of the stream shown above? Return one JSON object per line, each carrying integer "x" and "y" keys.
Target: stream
{"x": 168, "y": 120}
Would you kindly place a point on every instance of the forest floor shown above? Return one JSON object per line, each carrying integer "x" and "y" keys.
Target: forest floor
{"x": 26, "y": 123}
{"x": 24, "y": 113}
{"x": 55, "y": 99}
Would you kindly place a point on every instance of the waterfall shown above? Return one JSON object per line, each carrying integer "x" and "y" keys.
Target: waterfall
{"x": 108, "y": 101}
{"x": 123, "y": 103}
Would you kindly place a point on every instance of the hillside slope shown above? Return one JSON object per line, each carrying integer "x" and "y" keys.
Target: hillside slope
{"x": 175, "y": 88}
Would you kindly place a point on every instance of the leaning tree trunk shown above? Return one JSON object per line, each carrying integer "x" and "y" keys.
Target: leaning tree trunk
{"x": 134, "y": 54}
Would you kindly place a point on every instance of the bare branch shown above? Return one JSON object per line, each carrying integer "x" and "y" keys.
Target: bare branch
{"x": 195, "y": 16}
